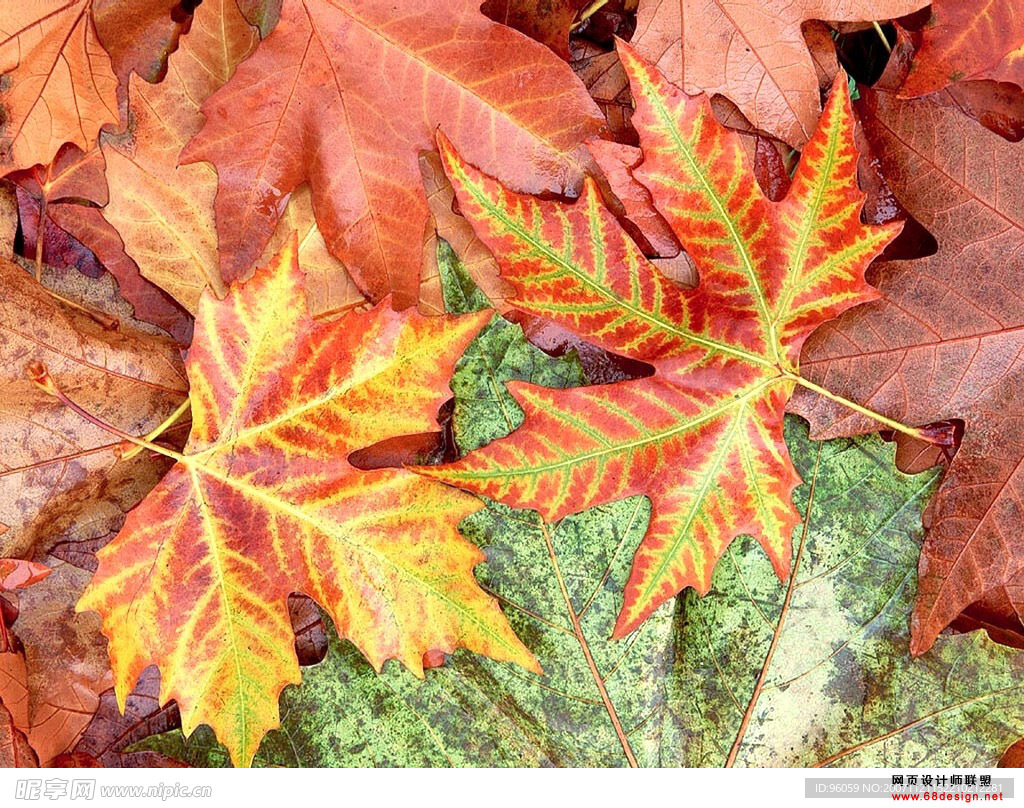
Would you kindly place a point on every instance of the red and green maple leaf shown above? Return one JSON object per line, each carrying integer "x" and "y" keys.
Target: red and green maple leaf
{"x": 702, "y": 437}
{"x": 263, "y": 502}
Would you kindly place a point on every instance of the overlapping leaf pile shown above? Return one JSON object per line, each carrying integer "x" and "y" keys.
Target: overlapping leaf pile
{"x": 288, "y": 283}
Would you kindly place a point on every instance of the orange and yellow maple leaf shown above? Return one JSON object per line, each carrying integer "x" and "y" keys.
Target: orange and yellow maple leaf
{"x": 263, "y": 502}
{"x": 702, "y": 437}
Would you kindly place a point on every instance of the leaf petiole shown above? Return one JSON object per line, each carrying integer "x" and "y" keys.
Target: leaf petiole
{"x": 896, "y": 426}
{"x": 156, "y": 433}
{"x": 589, "y": 12}
{"x": 38, "y": 373}
{"x": 881, "y": 35}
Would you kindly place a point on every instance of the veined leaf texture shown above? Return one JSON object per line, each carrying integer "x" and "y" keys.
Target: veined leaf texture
{"x": 725, "y": 355}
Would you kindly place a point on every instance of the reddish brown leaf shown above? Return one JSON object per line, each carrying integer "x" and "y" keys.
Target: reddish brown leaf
{"x": 125, "y": 377}
{"x": 353, "y": 127}
{"x": 547, "y": 21}
{"x": 110, "y": 731}
{"x": 14, "y": 687}
{"x": 15, "y": 752}
{"x": 1013, "y": 758}
{"x": 60, "y": 480}
{"x": 976, "y": 40}
{"x": 822, "y": 48}
{"x": 139, "y": 34}
{"x": 163, "y": 210}
{"x": 998, "y": 614}
{"x": 944, "y": 342}
{"x": 998, "y": 106}
{"x": 604, "y": 78}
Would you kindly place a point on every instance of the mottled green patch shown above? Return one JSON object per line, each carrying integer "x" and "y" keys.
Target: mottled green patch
{"x": 841, "y": 686}
{"x": 461, "y": 295}
{"x": 484, "y": 409}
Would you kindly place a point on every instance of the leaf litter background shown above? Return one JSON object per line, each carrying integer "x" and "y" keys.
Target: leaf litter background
{"x": 131, "y": 188}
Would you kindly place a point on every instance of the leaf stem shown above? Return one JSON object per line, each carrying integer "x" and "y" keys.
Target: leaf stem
{"x": 40, "y": 230}
{"x": 105, "y": 320}
{"x": 156, "y": 433}
{"x": 777, "y": 634}
{"x": 881, "y": 35}
{"x": 41, "y": 377}
{"x": 589, "y": 12}
{"x": 889, "y": 423}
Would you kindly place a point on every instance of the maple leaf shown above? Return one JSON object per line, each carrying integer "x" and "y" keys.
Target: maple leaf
{"x": 553, "y": 581}
{"x": 982, "y": 40}
{"x": 751, "y": 51}
{"x": 702, "y": 437}
{"x": 357, "y": 91}
{"x": 164, "y": 211}
{"x": 943, "y": 343}
{"x": 263, "y": 503}
{"x": 58, "y": 86}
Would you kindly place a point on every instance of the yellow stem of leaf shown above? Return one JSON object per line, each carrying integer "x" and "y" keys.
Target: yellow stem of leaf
{"x": 156, "y": 433}
{"x": 581, "y": 638}
{"x": 589, "y": 12}
{"x": 44, "y": 381}
{"x": 889, "y": 423}
{"x": 881, "y": 36}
